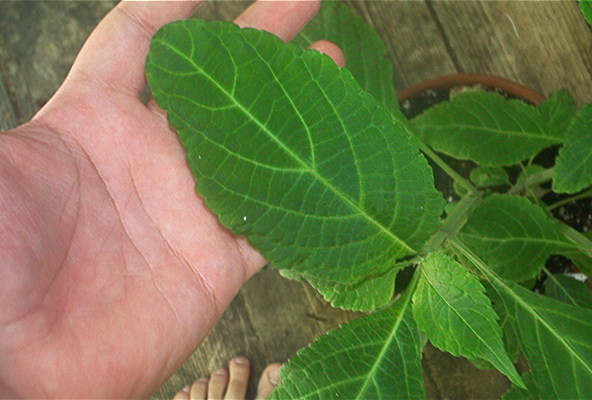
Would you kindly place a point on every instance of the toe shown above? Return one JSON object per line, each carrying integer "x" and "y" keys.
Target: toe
{"x": 239, "y": 378}
{"x": 199, "y": 389}
{"x": 270, "y": 378}
{"x": 218, "y": 382}
{"x": 183, "y": 394}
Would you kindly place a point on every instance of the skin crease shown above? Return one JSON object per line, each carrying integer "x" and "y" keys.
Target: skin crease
{"x": 112, "y": 268}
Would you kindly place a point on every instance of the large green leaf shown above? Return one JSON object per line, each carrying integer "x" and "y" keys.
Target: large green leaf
{"x": 569, "y": 290}
{"x": 451, "y": 307}
{"x": 573, "y": 171}
{"x": 290, "y": 152}
{"x": 557, "y": 340}
{"x": 375, "y": 357}
{"x": 513, "y": 236}
{"x": 486, "y": 128}
{"x": 364, "y": 50}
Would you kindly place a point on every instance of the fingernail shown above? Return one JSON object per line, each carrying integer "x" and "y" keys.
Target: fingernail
{"x": 274, "y": 376}
{"x": 241, "y": 360}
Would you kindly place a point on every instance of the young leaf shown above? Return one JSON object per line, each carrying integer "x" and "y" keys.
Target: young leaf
{"x": 375, "y": 357}
{"x": 573, "y": 171}
{"x": 485, "y": 177}
{"x": 451, "y": 307}
{"x": 290, "y": 152}
{"x": 486, "y": 128}
{"x": 569, "y": 290}
{"x": 369, "y": 294}
{"x": 364, "y": 50}
{"x": 557, "y": 341}
{"x": 558, "y": 110}
{"x": 513, "y": 236}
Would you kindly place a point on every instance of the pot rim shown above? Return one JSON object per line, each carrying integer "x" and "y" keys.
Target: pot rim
{"x": 490, "y": 81}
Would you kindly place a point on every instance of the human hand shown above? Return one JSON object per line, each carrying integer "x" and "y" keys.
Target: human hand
{"x": 112, "y": 268}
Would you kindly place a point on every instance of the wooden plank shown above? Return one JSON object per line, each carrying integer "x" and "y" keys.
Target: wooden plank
{"x": 269, "y": 320}
{"x": 16, "y": 105}
{"x": 8, "y": 116}
{"x": 546, "y": 45}
{"x": 413, "y": 39}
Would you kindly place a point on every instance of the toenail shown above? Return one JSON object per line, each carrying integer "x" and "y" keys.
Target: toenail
{"x": 241, "y": 361}
{"x": 220, "y": 371}
{"x": 202, "y": 380}
{"x": 186, "y": 389}
{"x": 274, "y": 377}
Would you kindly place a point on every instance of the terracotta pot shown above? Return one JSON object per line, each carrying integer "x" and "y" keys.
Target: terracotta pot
{"x": 449, "y": 81}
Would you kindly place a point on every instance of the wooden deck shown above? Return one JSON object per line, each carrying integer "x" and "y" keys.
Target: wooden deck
{"x": 545, "y": 45}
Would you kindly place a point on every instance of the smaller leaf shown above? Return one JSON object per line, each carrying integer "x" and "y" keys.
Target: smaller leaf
{"x": 486, "y": 177}
{"x": 486, "y": 128}
{"x": 569, "y": 290}
{"x": 450, "y": 306}
{"x": 573, "y": 170}
{"x": 377, "y": 356}
{"x": 513, "y": 236}
{"x": 558, "y": 110}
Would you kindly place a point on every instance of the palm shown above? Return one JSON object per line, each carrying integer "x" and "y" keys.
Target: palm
{"x": 115, "y": 269}
{"x": 135, "y": 244}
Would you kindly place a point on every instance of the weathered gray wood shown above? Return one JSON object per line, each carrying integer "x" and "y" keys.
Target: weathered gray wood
{"x": 8, "y": 116}
{"x": 40, "y": 41}
{"x": 413, "y": 39}
{"x": 269, "y": 320}
{"x": 546, "y": 45}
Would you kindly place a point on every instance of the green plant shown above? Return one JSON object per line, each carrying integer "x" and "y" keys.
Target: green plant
{"x": 319, "y": 169}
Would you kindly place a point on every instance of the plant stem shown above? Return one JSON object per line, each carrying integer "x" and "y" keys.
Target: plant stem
{"x": 534, "y": 179}
{"x": 447, "y": 168}
{"x": 583, "y": 195}
{"x": 453, "y": 223}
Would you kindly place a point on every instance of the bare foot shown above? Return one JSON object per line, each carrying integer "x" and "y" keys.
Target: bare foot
{"x": 231, "y": 384}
